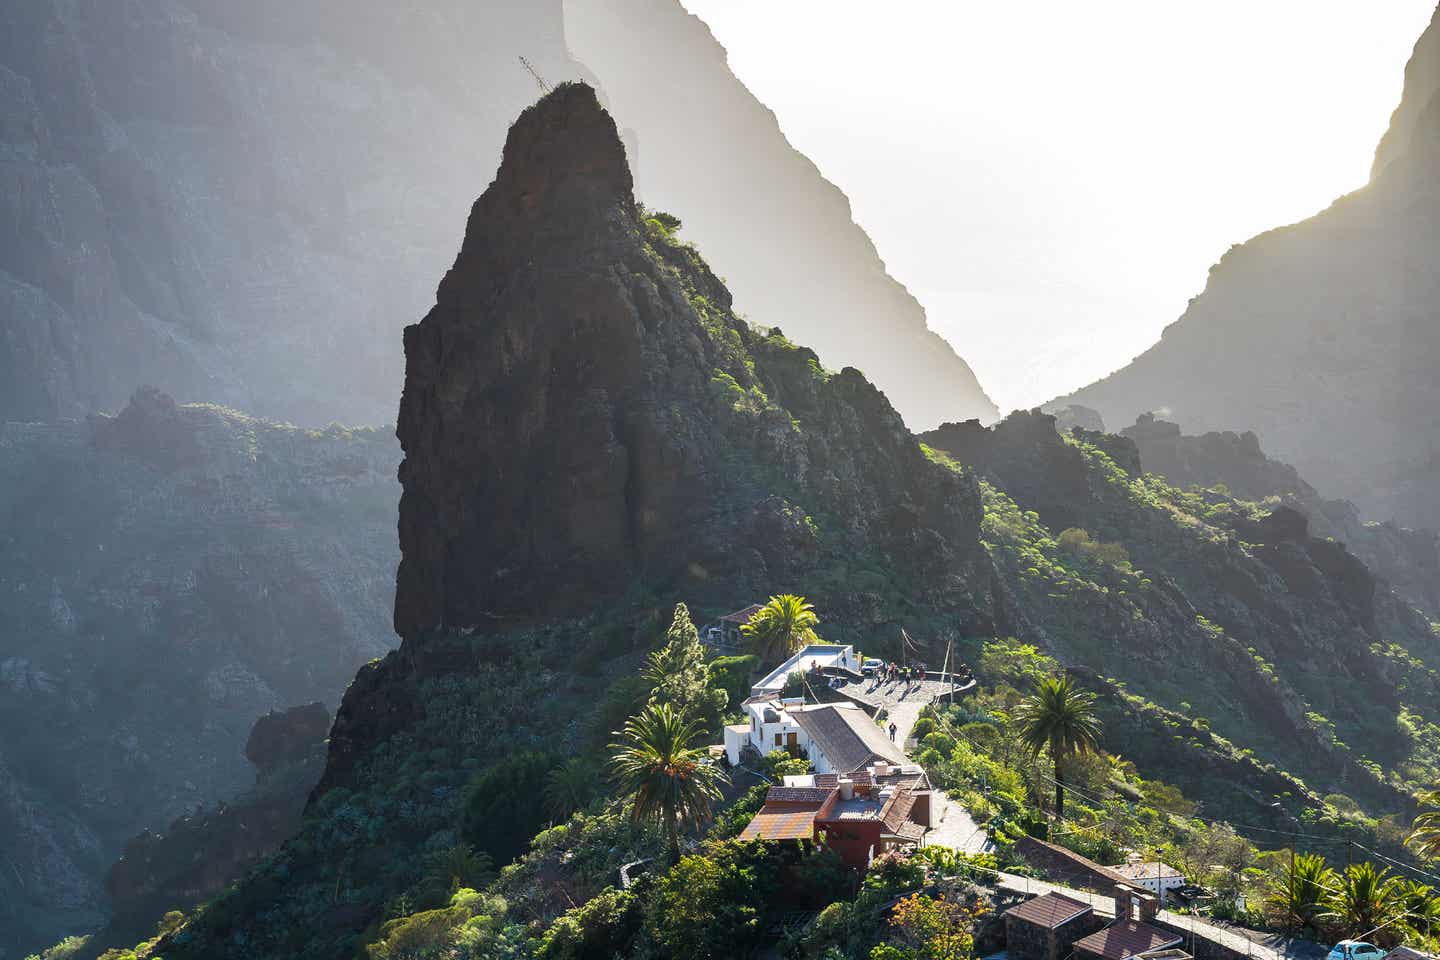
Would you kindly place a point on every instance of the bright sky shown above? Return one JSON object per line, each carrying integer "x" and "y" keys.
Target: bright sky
{"x": 1053, "y": 179}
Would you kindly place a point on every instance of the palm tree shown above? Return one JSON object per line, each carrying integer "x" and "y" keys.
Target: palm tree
{"x": 781, "y": 627}
{"x": 1365, "y": 899}
{"x": 1300, "y": 895}
{"x": 656, "y": 762}
{"x": 569, "y": 787}
{"x": 1061, "y": 717}
{"x": 1421, "y": 904}
{"x": 1426, "y": 836}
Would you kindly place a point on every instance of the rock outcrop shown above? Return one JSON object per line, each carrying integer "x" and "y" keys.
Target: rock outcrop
{"x": 1320, "y": 337}
{"x": 169, "y": 574}
{"x": 1408, "y": 559}
{"x": 580, "y": 403}
{"x": 769, "y": 222}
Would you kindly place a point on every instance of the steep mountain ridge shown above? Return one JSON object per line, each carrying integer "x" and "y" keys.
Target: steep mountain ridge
{"x": 1320, "y": 336}
{"x": 1233, "y": 610}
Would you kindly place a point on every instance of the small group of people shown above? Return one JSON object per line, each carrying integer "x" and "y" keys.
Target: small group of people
{"x": 894, "y": 673}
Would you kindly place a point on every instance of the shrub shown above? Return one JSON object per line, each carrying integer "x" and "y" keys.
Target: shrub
{"x": 598, "y": 930}
{"x": 708, "y": 907}
{"x": 502, "y": 811}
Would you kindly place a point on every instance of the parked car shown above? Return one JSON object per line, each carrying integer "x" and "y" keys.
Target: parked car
{"x": 1355, "y": 950}
{"x": 870, "y": 665}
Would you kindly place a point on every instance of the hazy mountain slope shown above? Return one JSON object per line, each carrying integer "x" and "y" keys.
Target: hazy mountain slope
{"x": 1422, "y": 81}
{"x": 169, "y": 575}
{"x": 1322, "y": 337}
{"x": 780, "y": 233}
{"x": 233, "y": 201}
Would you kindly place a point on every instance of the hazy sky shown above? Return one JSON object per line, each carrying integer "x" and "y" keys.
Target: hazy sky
{"x": 1054, "y": 179}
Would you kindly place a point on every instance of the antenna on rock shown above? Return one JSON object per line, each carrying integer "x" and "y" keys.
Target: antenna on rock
{"x": 544, "y": 87}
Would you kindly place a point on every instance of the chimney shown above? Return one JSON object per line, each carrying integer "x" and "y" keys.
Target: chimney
{"x": 847, "y": 789}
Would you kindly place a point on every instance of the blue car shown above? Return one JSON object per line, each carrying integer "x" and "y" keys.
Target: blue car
{"x": 1355, "y": 950}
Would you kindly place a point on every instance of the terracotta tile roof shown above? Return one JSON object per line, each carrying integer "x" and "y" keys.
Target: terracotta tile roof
{"x": 897, "y": 811}
{"x": 827, "y": 779}
{"x": 847, "y": 736}
{"x": 782, "y": 821}
{"x": 742, "y": 617}
{"x": 1148, "y": 871}
{"x": 1121, "y": 941}
{"x": 909, "y": 831}
{"x": 1049, "y": 911}
{"x": 815, "y": 795}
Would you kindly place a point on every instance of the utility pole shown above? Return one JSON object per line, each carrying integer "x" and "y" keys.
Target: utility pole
{"x": 544, "y": 87}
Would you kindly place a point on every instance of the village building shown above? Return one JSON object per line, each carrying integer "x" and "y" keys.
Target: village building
{"x": 859, "y": 816}
{"x": 1158, "y": 878}
{"x": 835, "y": 737}
{"x": 1125, "y": 939}
{"x": 725, "y": 632}
{"x": 1045, "y": 928}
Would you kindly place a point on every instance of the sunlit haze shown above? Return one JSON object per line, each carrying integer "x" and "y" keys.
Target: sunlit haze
{"x": 1053, "y": 180}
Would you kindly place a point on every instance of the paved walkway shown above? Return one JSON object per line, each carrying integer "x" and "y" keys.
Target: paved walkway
{"x": 955, "y": 828}
{"x": 902, "y": 701}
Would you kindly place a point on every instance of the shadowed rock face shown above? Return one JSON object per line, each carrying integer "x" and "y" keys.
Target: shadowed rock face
{"x": 1321, "y": 337}
{"x": 568, "y": 421}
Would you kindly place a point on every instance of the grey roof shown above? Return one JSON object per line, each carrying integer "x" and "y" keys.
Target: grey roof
{"x": 847, "y": 736}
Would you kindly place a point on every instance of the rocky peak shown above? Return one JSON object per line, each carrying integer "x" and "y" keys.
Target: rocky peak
{"x": 582, "y": 409}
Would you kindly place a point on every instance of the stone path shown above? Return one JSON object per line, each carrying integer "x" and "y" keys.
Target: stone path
{"x": 956, "y": 828}
{"x": 901, "y": 702}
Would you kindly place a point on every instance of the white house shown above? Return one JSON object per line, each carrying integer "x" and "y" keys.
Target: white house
{"x": 836, "y": 737}
{"x": 1156, "y": 877}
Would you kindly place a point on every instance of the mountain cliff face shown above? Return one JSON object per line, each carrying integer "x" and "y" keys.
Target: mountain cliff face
{"x": 226, "y": 200}
{"x": 170, "y": 574}
{"x": 1408, "y": 559}
{"x": 1321, "y": 336}
{"x": 577, "y": 397}
{"x": 768, "y": 221}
